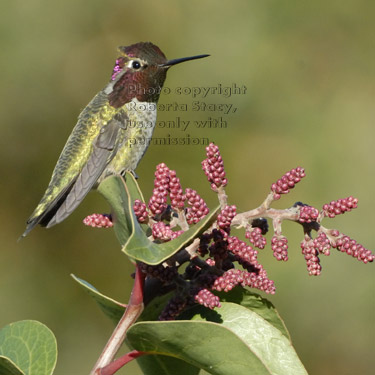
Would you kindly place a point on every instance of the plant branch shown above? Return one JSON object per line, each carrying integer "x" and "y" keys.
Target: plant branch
{"x": 131, "y": 314}
{"x": 114, "y": 366}
{"x": 264, "y": 210}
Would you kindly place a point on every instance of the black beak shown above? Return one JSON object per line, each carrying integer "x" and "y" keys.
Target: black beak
{"x": 182, "y": 59}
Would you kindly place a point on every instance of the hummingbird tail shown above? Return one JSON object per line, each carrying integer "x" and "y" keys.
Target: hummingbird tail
{"x": 28, "y": 229}
{"x": 48, "y": 213}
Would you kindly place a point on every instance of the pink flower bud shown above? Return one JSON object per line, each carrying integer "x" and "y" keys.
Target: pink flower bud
{"x": 98, "y": 221}
{"x": 287, "y": 182}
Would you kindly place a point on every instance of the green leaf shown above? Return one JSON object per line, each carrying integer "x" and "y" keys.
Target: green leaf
{"x": 202, "y": 344}
{"x": 28, "y": 347}
{"x": 113, "y": 190}
{"x": 121, "y": 194}
{"x": 245, "y": 298}
{"x": 256, "y": 303}
{"x": 140, "y": 248}
{"x": 265, "y": 340}
{"x": 110, "y": 307}
{"x": 114, "y": 309}
{"x": 7, "y": 367}
{"x": 135, "y": 193}
{"x": 133, "y": 187}
{"x": 163, "y": 365}
{"x": 241, "y": 343}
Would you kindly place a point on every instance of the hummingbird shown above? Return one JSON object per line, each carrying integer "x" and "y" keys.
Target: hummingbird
{"x": 112, "y": 132}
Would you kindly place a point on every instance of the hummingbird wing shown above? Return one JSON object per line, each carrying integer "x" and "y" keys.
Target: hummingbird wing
{"x": 104, "y": 148}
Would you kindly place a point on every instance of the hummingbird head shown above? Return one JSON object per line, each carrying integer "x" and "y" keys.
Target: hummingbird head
{"x": 140, "y": 72}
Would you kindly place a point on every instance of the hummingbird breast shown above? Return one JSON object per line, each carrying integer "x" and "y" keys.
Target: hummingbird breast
{"x": 135, "y": 137}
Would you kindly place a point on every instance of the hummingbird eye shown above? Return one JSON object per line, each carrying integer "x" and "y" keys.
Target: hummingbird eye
{"x": 136, "y": 64}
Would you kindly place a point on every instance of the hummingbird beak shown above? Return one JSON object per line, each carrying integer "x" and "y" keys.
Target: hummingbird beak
{"x": 182, "y": 59}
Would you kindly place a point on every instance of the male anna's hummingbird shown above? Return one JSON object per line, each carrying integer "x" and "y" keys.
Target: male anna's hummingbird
{"x": 112, "y": 133}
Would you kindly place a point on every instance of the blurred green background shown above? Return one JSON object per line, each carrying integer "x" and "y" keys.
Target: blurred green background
{"x": 309, "y": 71}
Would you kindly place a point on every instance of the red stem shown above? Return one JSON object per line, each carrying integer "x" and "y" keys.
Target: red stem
{"x": 114, "y": 366}
{"x": 131, "y": 314}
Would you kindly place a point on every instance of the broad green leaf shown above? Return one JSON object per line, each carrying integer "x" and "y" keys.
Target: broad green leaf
{"x": 112, "y": 308}
{"x": 113, "y": 190}
{"x": 29, "y": 346}
{"x": 245, "y": 298}
{"x": 133, "y": 187}
{"x": 140, "y": 248}
{"x": 135, "y": 193}
{"x": 264, "y": 339}
{"x": 256, "y": 303}
{"x": 241, "y": 343}
{"x": 204, "y": 345}
{"x": 163, "y": 365}
{"x": 7, "y": 367}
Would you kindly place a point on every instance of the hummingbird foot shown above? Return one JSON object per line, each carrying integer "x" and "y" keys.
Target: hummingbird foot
{"x": 132, "y": 172}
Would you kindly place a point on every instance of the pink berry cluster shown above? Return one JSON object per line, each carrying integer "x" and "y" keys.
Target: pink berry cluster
{"x": 279, "y": 246}
{"x": 254, "y": 235}
{"x": 158, "y": 201}
{"x": 140, "y": 210}
{"x": 311, "y": 248}
{"x": 207, "y": 299}
{"x": 351, "y": 247}
{"x": 175, "y": 191}
{"x": 308, "y": 214}
{"x": 98, "y": 221}
{"x": 311, "y": 255}
{"x": 210, "y": 262}
{"x": 166, "y": 184}
{"x": 340, "y": 206}
{"x": 244, "y": 252}
{"x": 287, "y": 182}
{"x": 322, "y": 244}
{"x": 163, "y": 232}
{"x": 213, "y": 167}
{"x": 197, "y": 209}
{"x": 234, "y": 277}
{"x": 225, "y": 217}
